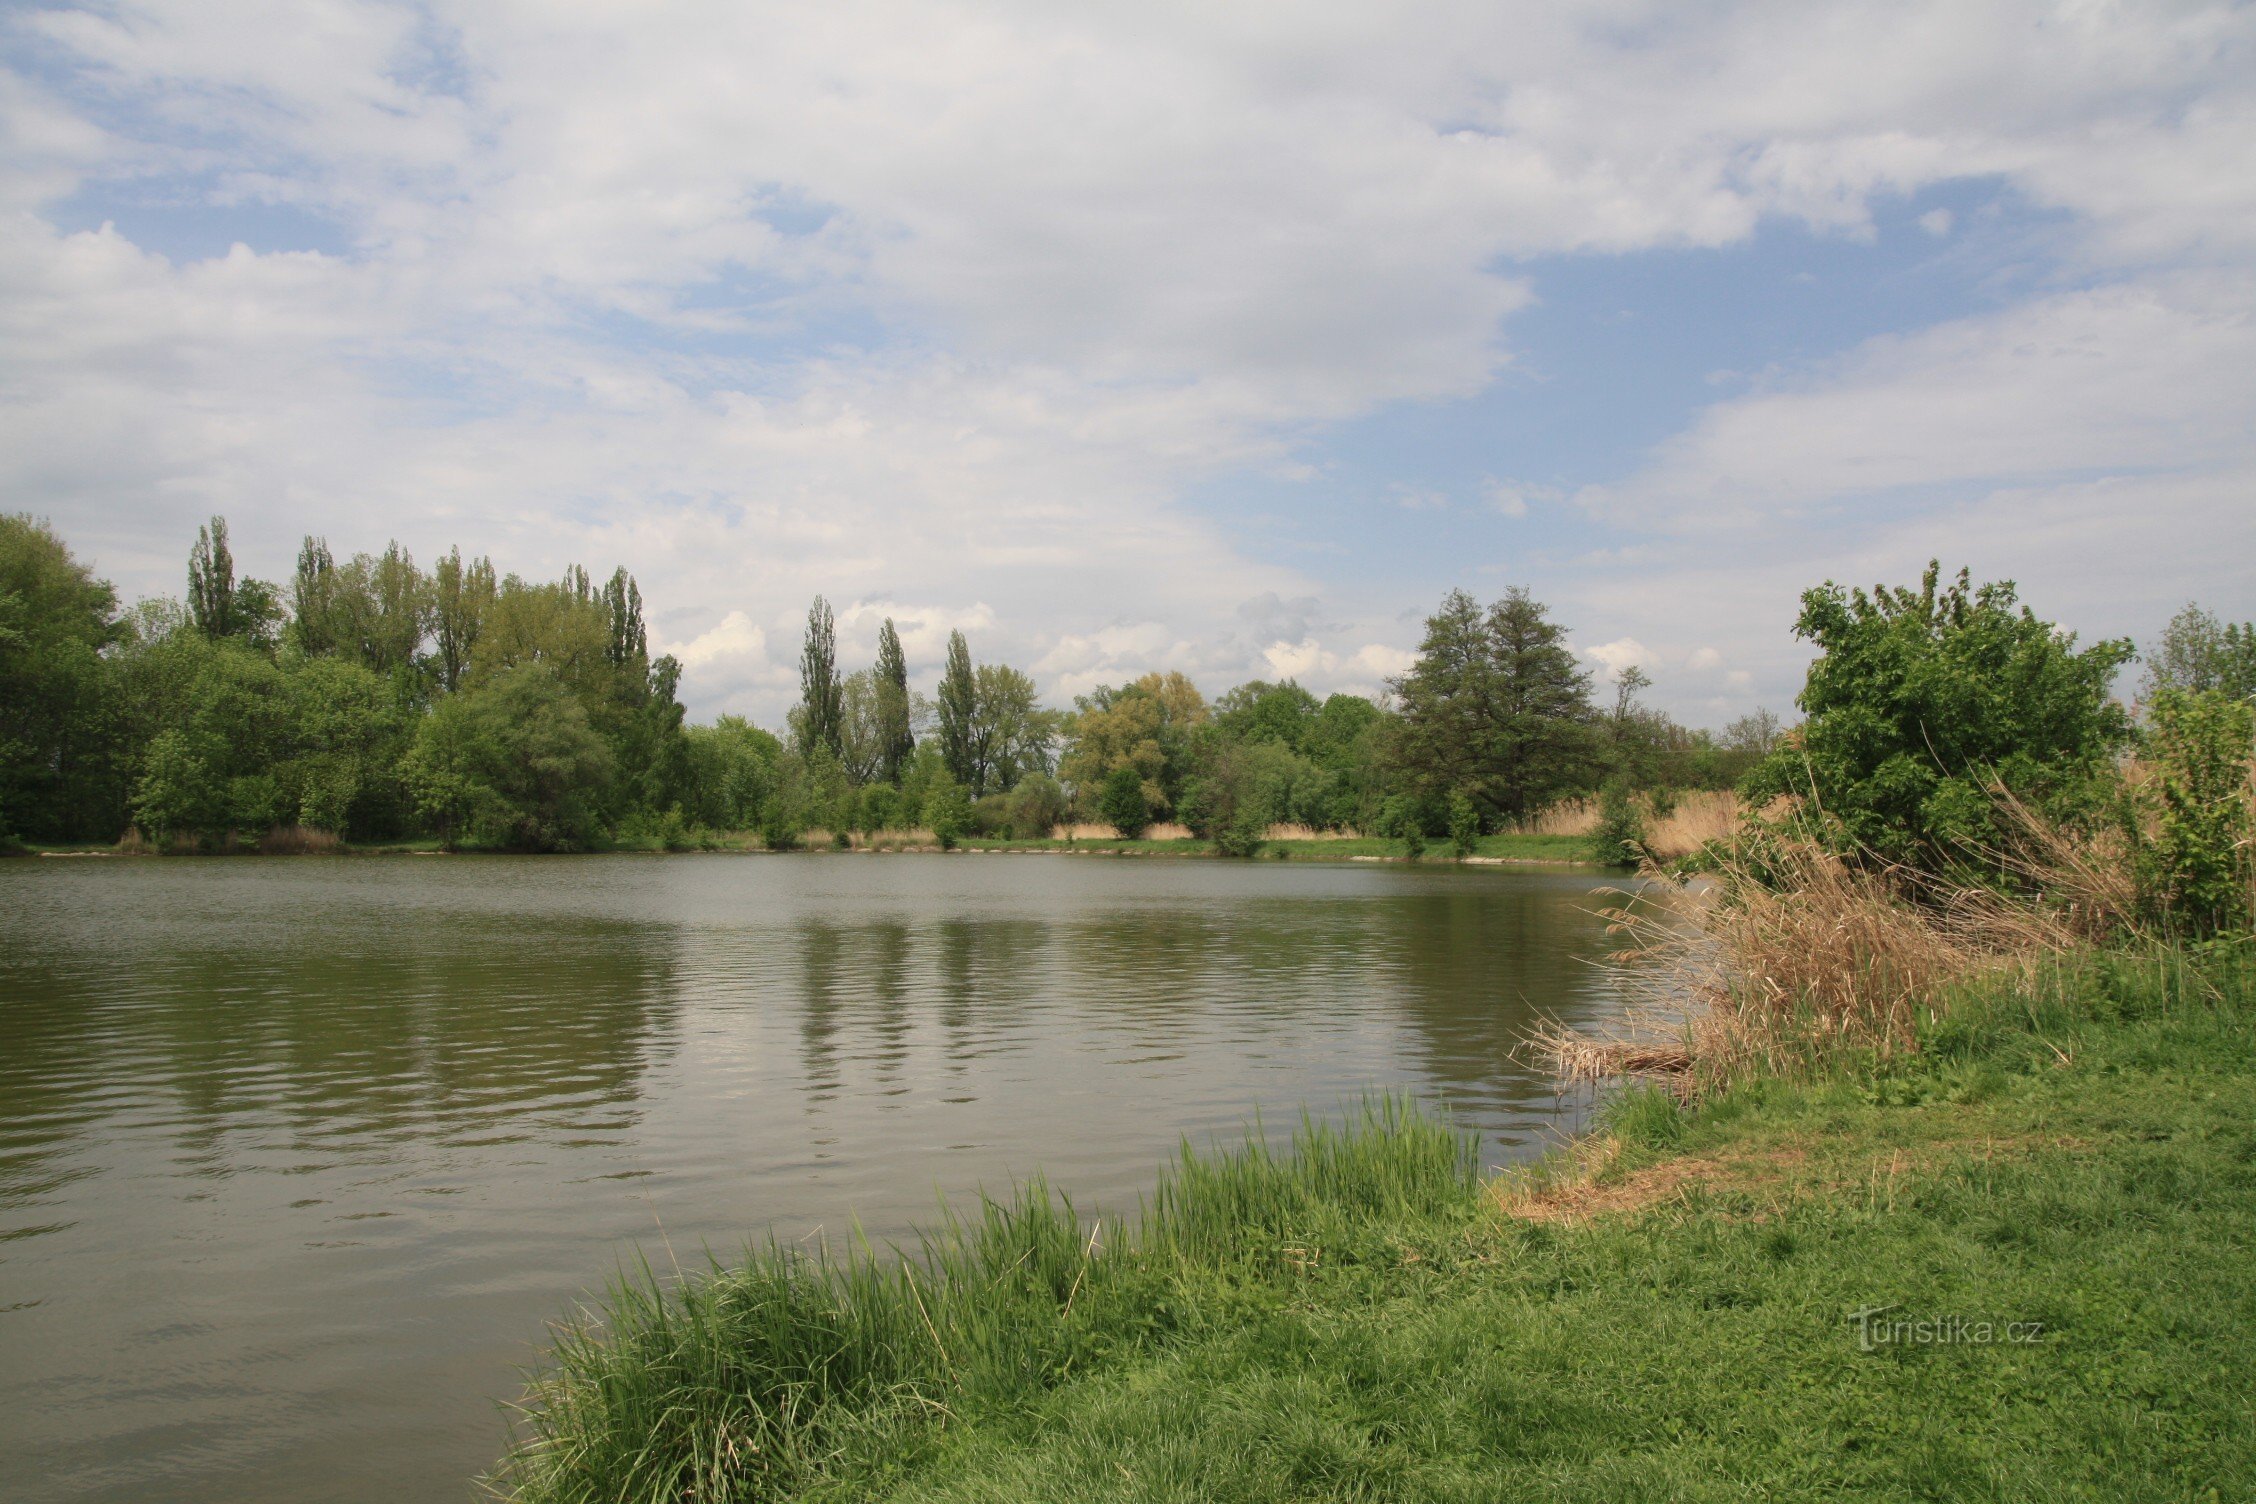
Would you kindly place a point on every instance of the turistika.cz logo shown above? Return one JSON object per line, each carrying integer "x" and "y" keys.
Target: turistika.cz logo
{"x": 1876, "y": 1329}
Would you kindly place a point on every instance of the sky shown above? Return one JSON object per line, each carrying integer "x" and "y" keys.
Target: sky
{"x": 1155, "y": 336}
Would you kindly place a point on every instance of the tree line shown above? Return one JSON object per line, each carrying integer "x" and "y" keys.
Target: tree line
{"x": 377, "y": 700}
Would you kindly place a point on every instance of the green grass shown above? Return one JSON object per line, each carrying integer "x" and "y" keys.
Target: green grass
{"x": 1366, "y": 1322}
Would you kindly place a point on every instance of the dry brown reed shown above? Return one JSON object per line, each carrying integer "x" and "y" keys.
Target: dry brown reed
{"x": 1294, "y": 832}
{"x": 300, "y": 840}
{"x": 1810, "y": 958}
{"x": 1699, "y": 817}
{"x": 1085, "y": 830}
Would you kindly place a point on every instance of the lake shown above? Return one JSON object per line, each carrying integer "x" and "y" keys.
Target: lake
{"x": 298, "y": 1157}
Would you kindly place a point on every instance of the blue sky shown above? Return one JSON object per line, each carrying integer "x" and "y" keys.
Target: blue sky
{"x": 1153, "y": 337}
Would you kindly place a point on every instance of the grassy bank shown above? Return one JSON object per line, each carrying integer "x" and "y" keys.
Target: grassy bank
{"x": 2048, "y": 1207}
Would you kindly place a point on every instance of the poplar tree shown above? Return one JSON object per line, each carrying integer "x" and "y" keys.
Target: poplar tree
{"x": 958, "y": 708}
{"x": 461, "y": 594}
{"x": 897, "y": 741}
{"x": 211, "y": 582}
{"x": 821, "y": 697}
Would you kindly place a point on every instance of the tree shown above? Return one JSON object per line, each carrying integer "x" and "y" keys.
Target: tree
{"x": 896, "y": 741}
{"x": 1122, "y": 803}
{"x": 1038, "y": 805}
{"x": 211, "y": 582}
{"x": 1148, "y": 726}
{"x": 821, "y": 698}
{"x": 863, "y": 734}
{"x": 947, "y": 810}
{"x": 1755, "y": 733}
{"x": 2198, "y": 652}
{"x": 958, "y": 708}
{"x": 630, "y": 645}
{"x": 59, "y": 774}
{"x": 1920, "y": 699}
{"x": 515, "y": 760}
{"x": 1011, "y": 735}
{"x": 461, "y": 596}
{"x": 1495, "y": 708}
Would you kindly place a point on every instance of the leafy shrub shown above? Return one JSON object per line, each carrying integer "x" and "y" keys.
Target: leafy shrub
{"x": 2198, "y": 867}
{"x": 1921, "y": 700}
{"x": 1464, "y": 825}
{"x": 1122, "y": 803}
{"x": 1618, "y": 839}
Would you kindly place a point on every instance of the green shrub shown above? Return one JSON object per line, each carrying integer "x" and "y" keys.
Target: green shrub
{"x": 1618, "y": 839}
{"x": 1122, "y": 804}
{"x": 2197, "y": 871}
{"x": 1464, "y": 825}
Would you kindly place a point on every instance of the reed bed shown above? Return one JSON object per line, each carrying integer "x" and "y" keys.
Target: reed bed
{"x": 1085, "y": 830}
{"x": 752, "y": 1381}
{"x": 300, "y": 840}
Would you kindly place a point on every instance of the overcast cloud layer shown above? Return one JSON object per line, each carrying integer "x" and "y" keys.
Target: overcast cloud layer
{"x": 1069, "y": 325}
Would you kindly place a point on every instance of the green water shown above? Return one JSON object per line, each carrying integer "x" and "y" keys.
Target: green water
{"x": 297, "y": 1157}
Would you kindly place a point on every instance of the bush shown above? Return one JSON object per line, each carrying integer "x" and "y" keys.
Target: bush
{"x": 991, "y": 816}
{"x": 947, "y": 809}
{"x": 1921, "y": 700}
{"x": 1038, "y": 806}
{"x": 2199, "y": 867}
{"x": 1244, "y": 835}
{"x": 1464, "y": 825}
{"x": 1122, "y": 804}
{"x": 1402, "y": 819}
{"x": 1618, "y": 839}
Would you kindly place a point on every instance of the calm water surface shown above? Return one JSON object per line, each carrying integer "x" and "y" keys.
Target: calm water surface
{"x": 297, "y": 1157}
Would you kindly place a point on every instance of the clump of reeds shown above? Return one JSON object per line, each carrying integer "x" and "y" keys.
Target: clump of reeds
{"x": 1083, "y": 830}
{"x": 1696, "y": 820}
{"x": 1785, "y": 955}
{"x": 134, "y": 843}
{"x": 300, "y": 840}
{"x": 748, "y": 1382}
{"x": 1293, "y": 831}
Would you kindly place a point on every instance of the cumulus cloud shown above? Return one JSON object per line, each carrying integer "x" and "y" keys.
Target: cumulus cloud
{"x": 963, "y": 305}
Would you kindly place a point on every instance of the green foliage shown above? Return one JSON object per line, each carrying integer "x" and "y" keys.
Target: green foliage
{"x": 956, "y": 708}
{"x": 896, "y": 742}
{"x": 1464, "y": 825}
{"x": 731, "y": 773}
{"x": 1920, "y": 698}
{"x": 1618, "y": 839}
{"x": 514, "y": 761}
{"x": 1037, "y": 806}
{"x": 60, "y": 773}
{"x": 181, "y": 791}
{"x": 1495, "y": 708}
{"x": 880, "y": 809}
{"x": 821, "y": 719}
{"x": 1122, "y": 804}
{"x": 2198, "y": 874}
{"x": 1150, "y": 726}
{"x": 947, "y": 810}
{"x": 2200, "y": 653}
{"x": 1403, "y": 819}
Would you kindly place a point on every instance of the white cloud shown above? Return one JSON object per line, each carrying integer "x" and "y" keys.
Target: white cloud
{"x": 2149, "y": 375}
{"x": 1621, "y": 655}
{"x": 950, "y": 304}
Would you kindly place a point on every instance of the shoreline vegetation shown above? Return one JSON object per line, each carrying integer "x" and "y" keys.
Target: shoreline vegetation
{"x": 1926, "y": 1170}
{"x": 2013, "y": 1262}
{"x": 371, "y": 702}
